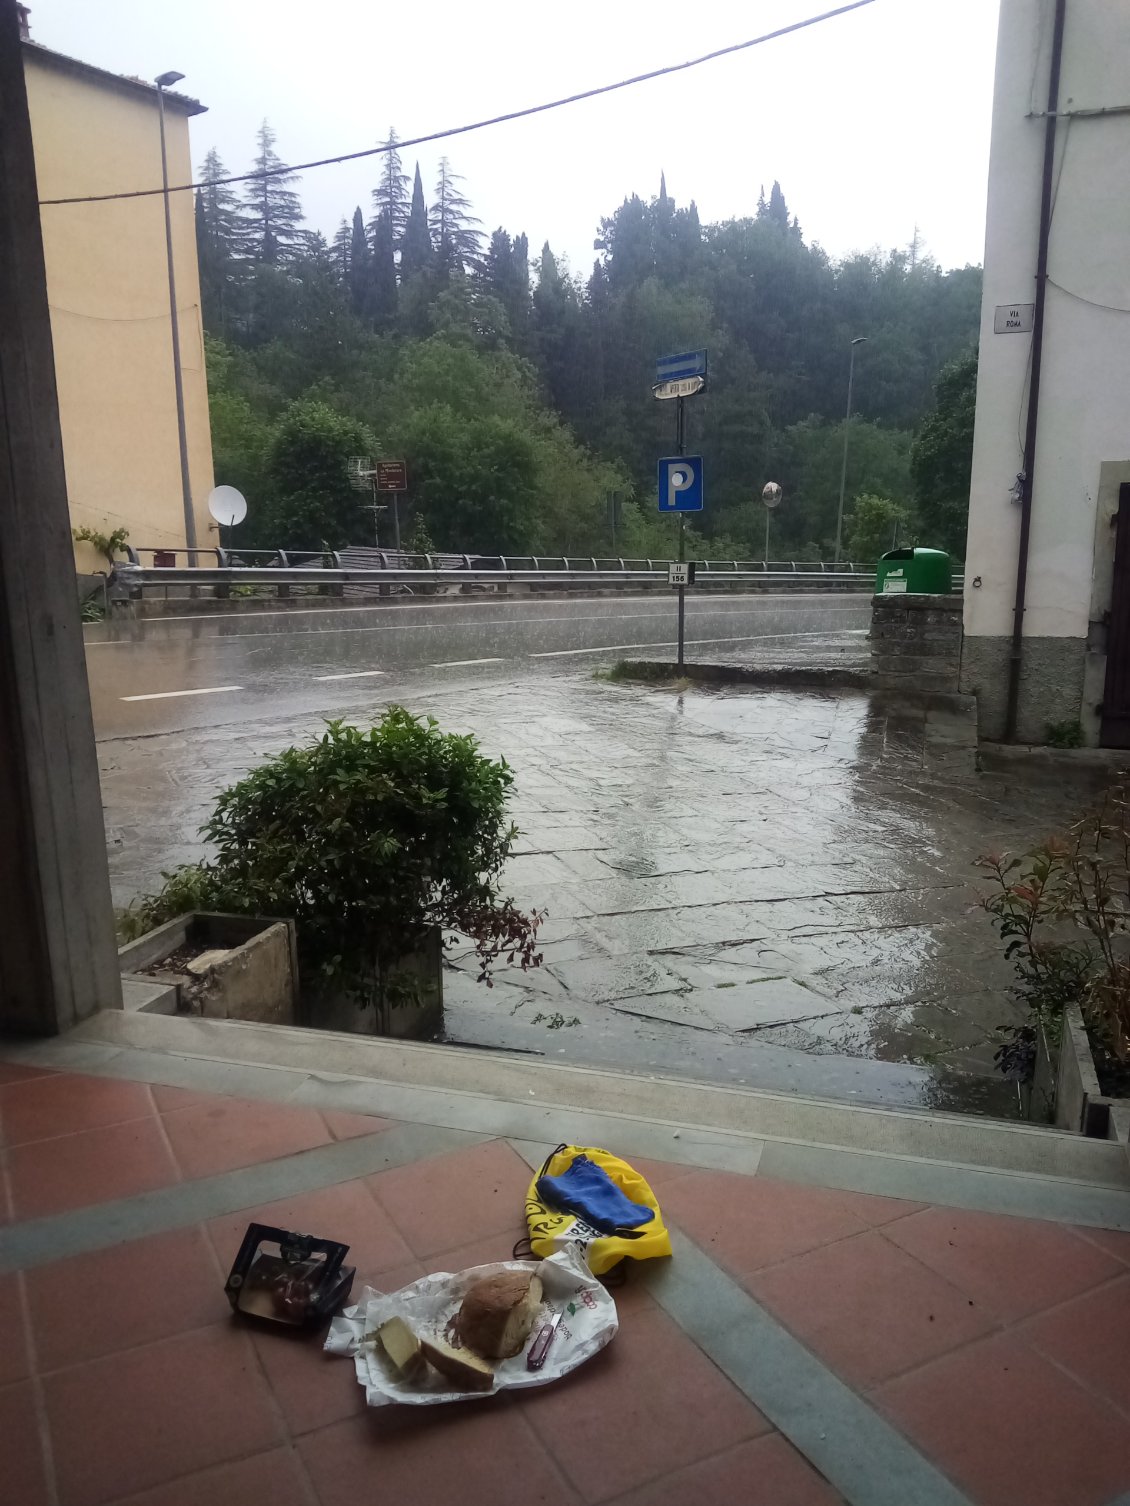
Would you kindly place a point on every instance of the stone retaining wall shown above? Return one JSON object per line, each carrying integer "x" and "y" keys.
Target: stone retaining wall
{"x": 916, "y": 640}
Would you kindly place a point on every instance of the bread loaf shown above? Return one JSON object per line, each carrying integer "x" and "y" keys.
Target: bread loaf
{"x": 498, "y": 1313}
{"x": 459, "y": 1365}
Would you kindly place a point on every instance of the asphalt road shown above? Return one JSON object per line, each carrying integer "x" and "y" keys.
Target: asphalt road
{"x": 162, "y": 674}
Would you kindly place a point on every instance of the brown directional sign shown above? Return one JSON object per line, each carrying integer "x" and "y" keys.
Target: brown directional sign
{"x": 392, "y": 476}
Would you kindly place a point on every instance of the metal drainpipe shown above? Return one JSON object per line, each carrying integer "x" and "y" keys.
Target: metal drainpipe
{"x": 1017, "y": 653}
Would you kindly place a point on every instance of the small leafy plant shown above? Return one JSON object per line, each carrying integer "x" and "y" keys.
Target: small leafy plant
{"x": 366, "y": 840}
{"x": 1066, "y": 734}
{"x": 1063, "y": 911}
{"x": 108, "y": 544}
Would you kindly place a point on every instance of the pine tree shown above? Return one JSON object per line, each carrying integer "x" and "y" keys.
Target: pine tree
{"x": 221, "y": 239}
{"x": 506, "y": 276}
{"x": 384, "y": 298}
{"x": 341, "y": 245}
{"x": 457, "y": 241}
{"x": 390, "y": 197}
{"x": 416, "y": 251}
{"x": 360, "y": 281}
{"x": 273, "y": 210}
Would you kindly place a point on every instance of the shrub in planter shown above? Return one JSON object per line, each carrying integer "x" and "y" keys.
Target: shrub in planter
{"x": 367, "y": 840}
{"x": 1063, "y": 911}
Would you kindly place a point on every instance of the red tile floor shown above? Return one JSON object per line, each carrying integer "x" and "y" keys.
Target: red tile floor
{"x": 996, "y": 1345}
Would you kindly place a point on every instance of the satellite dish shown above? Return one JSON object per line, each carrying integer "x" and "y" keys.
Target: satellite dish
{"x": 227, "y": 505}
{"x": 771, "y": 494}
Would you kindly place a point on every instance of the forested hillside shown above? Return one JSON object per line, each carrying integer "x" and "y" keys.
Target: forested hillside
{"x": 519, "y": 393}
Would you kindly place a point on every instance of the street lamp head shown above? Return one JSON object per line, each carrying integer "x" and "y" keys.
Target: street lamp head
{"x": 860, "y": 340}
{"x": 167, "y": 80}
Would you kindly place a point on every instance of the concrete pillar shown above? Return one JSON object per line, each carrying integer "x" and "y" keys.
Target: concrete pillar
{"x": 58, "y": 961}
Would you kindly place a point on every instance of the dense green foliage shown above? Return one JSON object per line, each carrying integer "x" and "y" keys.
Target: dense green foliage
{"x": 520, "y": 394}
{"x": 942, "y": 456}
{"x": 363, "y": 839}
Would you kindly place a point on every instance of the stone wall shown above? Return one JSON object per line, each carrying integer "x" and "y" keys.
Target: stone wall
{"x": 916, "y": 641}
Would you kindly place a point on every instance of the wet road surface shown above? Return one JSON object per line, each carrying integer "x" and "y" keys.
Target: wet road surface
{"x": 752, "y": 887}
{"x": 164, "y": 673}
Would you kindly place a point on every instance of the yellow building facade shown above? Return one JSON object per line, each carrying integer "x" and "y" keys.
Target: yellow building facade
{"x": 107, "y": 284}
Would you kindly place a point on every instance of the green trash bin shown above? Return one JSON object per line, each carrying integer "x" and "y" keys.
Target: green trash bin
{"x": 922, "y": 572}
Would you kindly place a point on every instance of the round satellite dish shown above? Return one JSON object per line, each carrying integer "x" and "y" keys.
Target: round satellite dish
{"x": 771, "y": 494}
{"x": 227, "y": 505}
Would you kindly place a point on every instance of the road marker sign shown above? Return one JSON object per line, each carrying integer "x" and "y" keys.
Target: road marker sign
{"x": 681, "y": 573}
{"x": 680, "y": 483}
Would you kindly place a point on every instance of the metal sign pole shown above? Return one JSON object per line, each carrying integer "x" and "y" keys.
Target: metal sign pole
{"x": 681, "y": 449}
{"x": 767, "y": 515}
{"x": 396, "y": 519}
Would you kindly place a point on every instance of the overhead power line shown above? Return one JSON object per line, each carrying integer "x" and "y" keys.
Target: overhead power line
{"x": 477, "y": 125}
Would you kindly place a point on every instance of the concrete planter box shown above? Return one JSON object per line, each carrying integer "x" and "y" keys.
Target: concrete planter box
{"x": 245, "y": 969}
{"x": 418, "y": 981}
{"x": 1066, "y": 1083}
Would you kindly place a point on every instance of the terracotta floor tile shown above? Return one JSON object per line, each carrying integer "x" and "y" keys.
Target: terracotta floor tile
{"x": 349, "y": 1126}
{"x": 18, "y": 1072}
{"x": 226, "y": 1133}
{"x": 168, "y": 1100}
{"x": 765, "y": 1472}
{"x": 1089, "y": 1336}
{"x": 97, "y": 1166}
{"x": 62, "y": 1104}
{"x": 273, "y": 1479}
{"x": 1011, "y": 1428}
{"x": 867, "y": 1308}
{"x": 480, "y": 1453}
{"x": 458, "y": 1199}
{"x": 313, "y": 1388}
{"x": 749, "y": 1222}
{"x": 1113, "y": 1241}
{"x": 347, "y": 1212}
{"x": 135, "y": 1420}
{"x": 13, "y": 1332}
{"x": 135, "y": 1293}
{"x": 1011, "y": 1266}
{"x": 22, "y": 1481}
{"x": 627, "y": 1416}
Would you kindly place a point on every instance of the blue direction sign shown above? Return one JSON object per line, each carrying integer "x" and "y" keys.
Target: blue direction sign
{"x": 680, "y": 483}
{"x": 691, "y": 363}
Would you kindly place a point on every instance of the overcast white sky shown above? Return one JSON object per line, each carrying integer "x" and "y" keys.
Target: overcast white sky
{"x": 874, "y": 122}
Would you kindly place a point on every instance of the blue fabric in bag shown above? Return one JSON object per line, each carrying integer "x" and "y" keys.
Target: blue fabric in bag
{"x": 587, "y": 1191}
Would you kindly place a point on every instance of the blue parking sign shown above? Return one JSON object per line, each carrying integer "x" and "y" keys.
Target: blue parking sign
{"x": 680, "y": 483}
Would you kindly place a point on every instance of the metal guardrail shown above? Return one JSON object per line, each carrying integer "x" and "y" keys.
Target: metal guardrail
{"x": 137, "y": 577}
{"x": 388, "y": 572}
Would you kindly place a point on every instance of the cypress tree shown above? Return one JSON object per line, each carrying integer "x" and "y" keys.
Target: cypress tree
{"x": 273, "y": 210}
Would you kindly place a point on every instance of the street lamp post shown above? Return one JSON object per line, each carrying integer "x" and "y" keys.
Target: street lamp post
{"x": 859, "y": 340}
{"x": 163, "y": 82}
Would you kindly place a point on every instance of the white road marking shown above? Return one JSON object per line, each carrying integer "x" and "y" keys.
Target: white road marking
{"x": 605, "y": 648}
{"x": 165, "y": 695}
{"x": 463, "y": 663}
{"x": 560, "y": 653}
{"x": 354, "y": 674}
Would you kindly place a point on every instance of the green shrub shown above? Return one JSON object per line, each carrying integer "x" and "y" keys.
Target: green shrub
{"x": 1068, "y": 734}
{"x": 365, "y": 840}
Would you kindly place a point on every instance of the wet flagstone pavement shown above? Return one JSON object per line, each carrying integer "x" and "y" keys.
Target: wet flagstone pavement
{"x": 764, "y": 887}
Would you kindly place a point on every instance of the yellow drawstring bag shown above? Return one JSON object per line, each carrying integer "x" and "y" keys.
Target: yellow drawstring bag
{"x": 552, "y": 1230}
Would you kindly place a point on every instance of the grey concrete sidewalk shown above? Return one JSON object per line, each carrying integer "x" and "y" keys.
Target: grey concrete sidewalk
{"x": 765, "y": 888}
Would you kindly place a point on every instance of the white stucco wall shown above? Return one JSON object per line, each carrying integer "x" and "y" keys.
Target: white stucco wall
{"x": 1085, "y": 388}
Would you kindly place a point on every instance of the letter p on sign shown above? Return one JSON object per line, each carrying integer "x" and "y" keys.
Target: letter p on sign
{"x": 680, "y": 483}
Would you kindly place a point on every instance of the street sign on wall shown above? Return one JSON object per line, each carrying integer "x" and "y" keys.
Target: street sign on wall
{"x": 680, "y": 483}
{"x": 392, "y": 476}
{"x": 1014, "y": 318}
